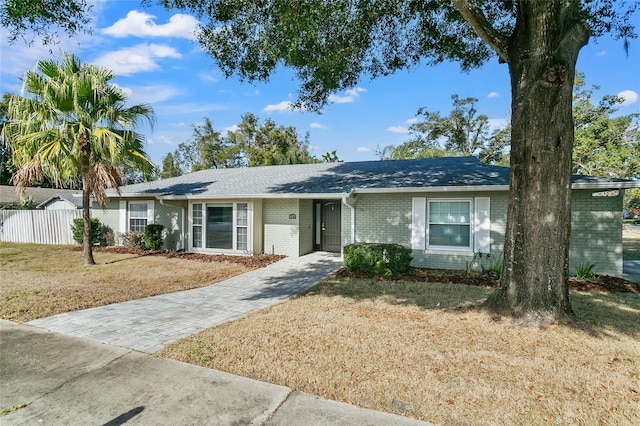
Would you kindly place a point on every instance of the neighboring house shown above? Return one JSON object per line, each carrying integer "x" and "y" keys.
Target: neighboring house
{"x": 9, "y": 194}
{"x": 445, "y": 209}
{"x": 62, "y": 202}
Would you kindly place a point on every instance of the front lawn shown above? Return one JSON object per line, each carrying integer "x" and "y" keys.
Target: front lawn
{"x": 417, "y": 349}
{"x": 42, "y": 280}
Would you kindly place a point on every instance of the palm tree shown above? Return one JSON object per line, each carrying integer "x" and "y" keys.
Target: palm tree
{"x": 72, "y": 125}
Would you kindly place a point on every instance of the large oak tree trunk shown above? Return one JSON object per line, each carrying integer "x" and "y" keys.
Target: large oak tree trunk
{"x": 85, "y": 168}
{"x": 542, "y": 56}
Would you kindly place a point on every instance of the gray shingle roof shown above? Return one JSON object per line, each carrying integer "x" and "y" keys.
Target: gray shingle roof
{"x": 336, "y": 179}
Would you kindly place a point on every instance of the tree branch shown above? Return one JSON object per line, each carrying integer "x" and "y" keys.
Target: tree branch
{"x": 474, "y": 16}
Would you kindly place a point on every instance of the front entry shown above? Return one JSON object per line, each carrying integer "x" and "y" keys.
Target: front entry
{"x": 327, "y": 224}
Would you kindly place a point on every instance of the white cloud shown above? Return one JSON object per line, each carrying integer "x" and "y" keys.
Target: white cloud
{"x": 139, "y": 58}
{"x": 233, "y": 128}
{"x": 153, "y": 93}
{"x": 282, "y": 106}
{"x": 142, "y": 24}
{"x": 350, "y": 96}
{"x": 398, "y": 129}
{"x": 630, "y": 97}
{"x": 601, "y": 53}
{"x": 317, "y": 126}
{"x": 493, "y": 95}
{"x": 498, "y": 123}
{"x": 210, "y": 77}
{"x": 413, "y": 120}
{"x": 363, "y": 149}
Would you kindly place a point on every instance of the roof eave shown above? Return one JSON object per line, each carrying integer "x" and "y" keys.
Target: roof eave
{"x": 603, "y": 186}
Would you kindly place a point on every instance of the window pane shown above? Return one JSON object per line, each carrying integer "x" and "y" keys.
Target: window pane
{"x": 197, "y": 214}
{"x": 242, "y": 211}
{"x": 449, "y": 212}
{"x": 449, "y": 235}
{"x": 138, "y": 211}
{"x": 241, "y": 238}
{"x": 220, "y": 226}
{"x": 137, "y": 225}
{"x": 197, "y": 236}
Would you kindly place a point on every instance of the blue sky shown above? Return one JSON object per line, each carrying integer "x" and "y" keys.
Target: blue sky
{"x": 153, "y": 54}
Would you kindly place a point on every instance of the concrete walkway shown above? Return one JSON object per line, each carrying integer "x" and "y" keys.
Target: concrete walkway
{"x": 631, "y": 270}
{"x": 148, "y": 324}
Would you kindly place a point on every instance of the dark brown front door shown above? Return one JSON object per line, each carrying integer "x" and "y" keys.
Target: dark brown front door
{"x": 328, "y": 225}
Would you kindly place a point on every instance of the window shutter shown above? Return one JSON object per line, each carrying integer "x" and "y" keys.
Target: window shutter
{"x": 482, "y": 225}
{"x": 122, "y": 222}
{"x": 418, "y": 220}
{"x": 150, "y": 212}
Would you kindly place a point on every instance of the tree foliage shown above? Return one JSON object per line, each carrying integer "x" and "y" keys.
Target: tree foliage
{"x": 73, "y": 124}
{"x": 252, "y": 144}
{"x": 462, "y": 132}
{"x": 27, "y": 19}
{"x": 606, "y": 144}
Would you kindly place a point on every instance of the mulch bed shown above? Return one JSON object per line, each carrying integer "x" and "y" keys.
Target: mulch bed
{"x": 603, "y": 283}
{"x": 255, "y": 261}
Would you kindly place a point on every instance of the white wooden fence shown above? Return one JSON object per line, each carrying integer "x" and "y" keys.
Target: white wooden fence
{"x": 37, "y": 226}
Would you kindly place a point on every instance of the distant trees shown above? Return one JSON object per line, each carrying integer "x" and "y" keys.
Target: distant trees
{"x": 606, "y": 144}
{"x": 252, "y": 144}
{"x": 462, "y": 132}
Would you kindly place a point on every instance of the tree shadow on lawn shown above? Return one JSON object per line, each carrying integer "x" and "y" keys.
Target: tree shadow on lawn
{"x": 597, "y": 313}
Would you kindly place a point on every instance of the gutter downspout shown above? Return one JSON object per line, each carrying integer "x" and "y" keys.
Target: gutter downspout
{"x": 183, "y": 230}
{"x": 353, "y": 217}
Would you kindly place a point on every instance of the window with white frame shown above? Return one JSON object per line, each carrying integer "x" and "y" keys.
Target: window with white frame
{"x": 138, "y": 217}
{"x": 220, "y": 226}
{"x": 242, "y": 226}
{"x": 196, "y": 226}
{"x": 449, "y": 223}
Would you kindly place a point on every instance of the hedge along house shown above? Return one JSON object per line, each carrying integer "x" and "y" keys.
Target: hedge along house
{"x": 445, "y": 209}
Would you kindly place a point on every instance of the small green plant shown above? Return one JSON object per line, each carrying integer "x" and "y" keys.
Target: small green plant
{"x": 494, "y": 268}
{"x": 134, "y": 240}
{"x": 153, "y": 236}
{"x": 477, "y": 258}
{"x": 98, "y": 231}
{"x": 584, "y": 271}
{"x": 379, "y": 259}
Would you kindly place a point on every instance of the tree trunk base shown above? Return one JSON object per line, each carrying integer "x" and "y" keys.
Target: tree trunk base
{"x": 522, "y": 315}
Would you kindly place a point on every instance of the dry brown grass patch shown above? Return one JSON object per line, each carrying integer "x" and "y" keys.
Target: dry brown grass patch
{"x": 417, "y": 350}
{"x": 39, "y": 281}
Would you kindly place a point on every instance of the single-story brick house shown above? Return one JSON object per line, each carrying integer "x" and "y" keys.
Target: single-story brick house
{"x": 445, "y": 209}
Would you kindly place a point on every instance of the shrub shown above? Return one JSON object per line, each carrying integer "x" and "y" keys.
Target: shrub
{"x": 134, "y": 240}
{"x": 584, "y": 271}
{"x": 153, "y": 237}
{"x": 380, "y": 259}
{"x": 98, "y": 231}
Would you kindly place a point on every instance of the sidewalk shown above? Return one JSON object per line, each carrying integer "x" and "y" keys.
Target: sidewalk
{"x": 66, "y": 380}
{"x": 148, "y": 324}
